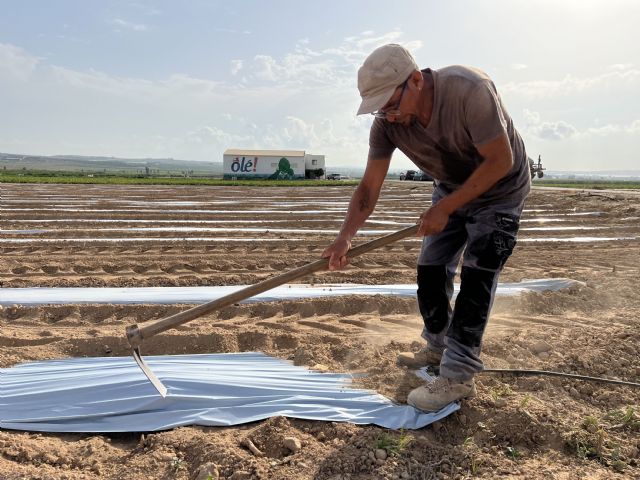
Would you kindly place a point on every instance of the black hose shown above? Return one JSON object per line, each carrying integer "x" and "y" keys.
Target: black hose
{"x": 518, "y": 372}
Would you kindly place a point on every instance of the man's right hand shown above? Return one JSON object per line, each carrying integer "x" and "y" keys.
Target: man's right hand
{"x": 337, "y": 253}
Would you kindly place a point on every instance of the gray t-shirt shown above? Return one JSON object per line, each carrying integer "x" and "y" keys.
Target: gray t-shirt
{"x": 467, "y": 112}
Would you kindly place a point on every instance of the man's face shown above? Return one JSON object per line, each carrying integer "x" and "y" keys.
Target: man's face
{"x": 392, "y": 111}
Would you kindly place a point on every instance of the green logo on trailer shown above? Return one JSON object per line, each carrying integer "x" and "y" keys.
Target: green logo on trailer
{"x": 284, "y": 171}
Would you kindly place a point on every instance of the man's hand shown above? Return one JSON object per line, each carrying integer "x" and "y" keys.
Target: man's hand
{"x": 433, "y": 220}
{"x": 337, "y": 253}
{"x": 361, "y": 205}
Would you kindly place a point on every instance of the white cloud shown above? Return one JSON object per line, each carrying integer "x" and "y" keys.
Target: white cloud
{"x": 104, "y": 83}
{"x": 288, "y": 133}
{"x": 612, "y": 146}
{"x": 518, "y": 66}
{"x": 236, "y": 66}
{"x": 561, "y": 130}
{"x": 333, "y": 67}
{"x": 298, "y": 132}
{"x": 304, "y": 98}
{"x": 356, "y": 48}
{"x": 621, "y": 76}
{"x": 373, "y": 42}
{"x": 204, "y": 142}
{"x": 191, "y": 86}
{"x": 176, "y": 87}
{"x": 605, "y": 130}
{"x": 16, "y": 63}
{"x": 305, "y": 105}
{"x": 267, "y": 68}
{"x": 136, "y": 27}
{"x": 366, "y": 42}
{"x": 634, "y": 127}
{"x": 300, "y": 69}
{"x": 555, "y": 130}
{"x": 558, "y": 130}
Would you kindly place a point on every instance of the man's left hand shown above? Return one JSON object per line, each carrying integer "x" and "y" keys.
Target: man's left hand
{"x": 433, "y": 220}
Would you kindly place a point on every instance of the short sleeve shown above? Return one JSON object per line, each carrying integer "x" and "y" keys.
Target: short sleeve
{"x": 483, "y": 114}
{"x": 380, "y": 145}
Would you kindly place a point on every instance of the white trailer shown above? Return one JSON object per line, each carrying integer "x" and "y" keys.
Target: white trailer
{"x": 270, "y": 164}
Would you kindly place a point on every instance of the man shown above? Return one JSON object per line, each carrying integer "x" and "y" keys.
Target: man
{"x": 452, "y": 124}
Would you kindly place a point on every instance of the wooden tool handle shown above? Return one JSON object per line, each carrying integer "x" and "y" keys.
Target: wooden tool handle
{"x": 136, "y": 334}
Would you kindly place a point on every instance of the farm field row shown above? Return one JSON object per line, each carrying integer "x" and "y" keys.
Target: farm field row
{"x": 58, "y": 235}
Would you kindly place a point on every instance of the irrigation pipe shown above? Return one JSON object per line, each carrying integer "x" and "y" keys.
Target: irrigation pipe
{"x": 511, "y": 371}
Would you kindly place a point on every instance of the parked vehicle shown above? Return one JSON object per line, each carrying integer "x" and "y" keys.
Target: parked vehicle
{"x": 335, "y": 176}
{"x": 408, "y": 175}
{"x": 423, "y": 176}
{"x": 415, "y": 175}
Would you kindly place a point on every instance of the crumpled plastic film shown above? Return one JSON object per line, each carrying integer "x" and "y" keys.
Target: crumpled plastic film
{"x": 111, "y": 394}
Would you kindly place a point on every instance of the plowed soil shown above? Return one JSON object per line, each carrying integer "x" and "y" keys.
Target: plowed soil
{"x": 539, "y": 428}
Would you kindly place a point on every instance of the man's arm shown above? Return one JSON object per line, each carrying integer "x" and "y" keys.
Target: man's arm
{"x": 498, "y": 161}
{"x": 362, "y": 203}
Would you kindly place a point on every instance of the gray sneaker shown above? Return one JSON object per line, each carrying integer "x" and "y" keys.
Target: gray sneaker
{"x": 422, "y": 358}
{"x": 439, "y": 393}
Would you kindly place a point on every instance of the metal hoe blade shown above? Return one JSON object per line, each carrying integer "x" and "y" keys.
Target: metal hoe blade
{"x": 162, "y": 390}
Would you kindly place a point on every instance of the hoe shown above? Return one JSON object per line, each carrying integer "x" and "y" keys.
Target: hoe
{"x": 137, "y": 334}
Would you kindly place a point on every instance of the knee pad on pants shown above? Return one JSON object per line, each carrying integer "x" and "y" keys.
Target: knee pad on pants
{"x": 434, "y": 287}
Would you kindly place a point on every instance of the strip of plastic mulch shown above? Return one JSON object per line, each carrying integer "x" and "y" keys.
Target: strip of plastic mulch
{"x": 173, "y": 295}
{"x": 111, "y": 394}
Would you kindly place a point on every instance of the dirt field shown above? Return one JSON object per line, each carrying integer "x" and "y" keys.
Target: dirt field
{"x": 538, "y": 428}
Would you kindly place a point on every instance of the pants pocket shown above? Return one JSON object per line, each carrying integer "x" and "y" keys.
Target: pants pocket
{"x": 491, "y": 249}
{"x": 508, "y": 222}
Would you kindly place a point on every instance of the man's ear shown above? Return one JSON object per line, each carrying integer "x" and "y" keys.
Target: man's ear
{"x": 417, "y": 79}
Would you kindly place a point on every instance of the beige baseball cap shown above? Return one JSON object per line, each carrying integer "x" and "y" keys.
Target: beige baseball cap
{"x": 382, "y": 72}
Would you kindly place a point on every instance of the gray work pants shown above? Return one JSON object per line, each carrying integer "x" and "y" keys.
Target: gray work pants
{"x": 484, "y": 235}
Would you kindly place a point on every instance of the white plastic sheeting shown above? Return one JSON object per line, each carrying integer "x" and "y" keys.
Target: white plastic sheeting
{"x": 299, "y": 231}
{"x": 147, "y": 239}
{"x": 577, "y": 239}
{"x": 111, "y": 394}
{"x": 171, "y": 295}
{"x": 272, "y": 239}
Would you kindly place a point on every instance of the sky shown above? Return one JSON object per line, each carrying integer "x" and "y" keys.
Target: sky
{"x": 189, "y": 79}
